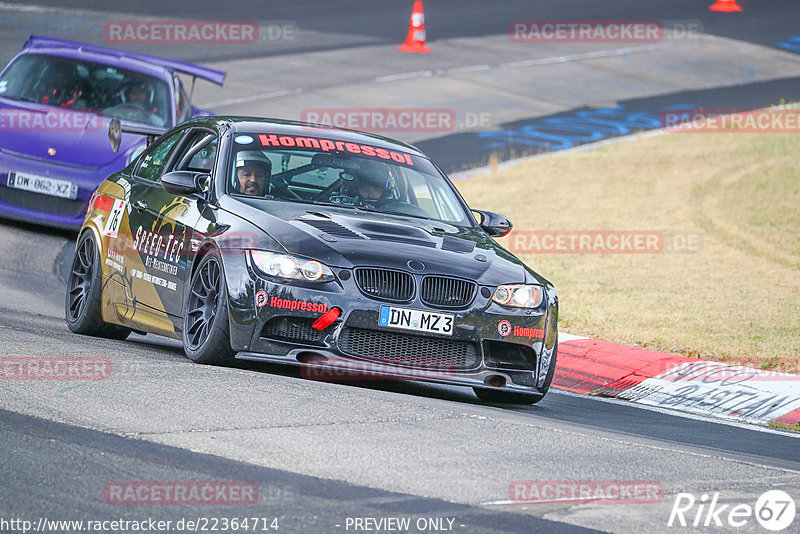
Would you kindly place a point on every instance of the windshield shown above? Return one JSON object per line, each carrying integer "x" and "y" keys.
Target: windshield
{"x": 351, "y": 175}
{"x": 87, "y": 86}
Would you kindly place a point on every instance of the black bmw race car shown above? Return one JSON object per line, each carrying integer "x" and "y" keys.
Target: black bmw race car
{"x": 287, "y": 242}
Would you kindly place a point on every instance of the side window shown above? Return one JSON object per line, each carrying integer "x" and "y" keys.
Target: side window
{"x": 198, "y": 153}
{"x": 203, "y": 159}
{"x": 151, "y": 163}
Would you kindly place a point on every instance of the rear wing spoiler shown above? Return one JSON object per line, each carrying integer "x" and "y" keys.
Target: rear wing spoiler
{"x": 213, "y": 76}
{"x": 115, "y": 129}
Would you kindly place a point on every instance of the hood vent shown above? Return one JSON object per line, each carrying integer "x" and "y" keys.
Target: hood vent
{"x": 332, "y": 228}
{"x": 400, "y": 239}
{"x": 454, "y": 244}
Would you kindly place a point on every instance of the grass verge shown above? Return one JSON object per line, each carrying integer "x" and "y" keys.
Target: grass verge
{"x": 735, "y": 298}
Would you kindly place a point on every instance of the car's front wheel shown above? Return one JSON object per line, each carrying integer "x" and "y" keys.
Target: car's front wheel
{"x": 82, "y": 307}
{"x": 206, "y": 330}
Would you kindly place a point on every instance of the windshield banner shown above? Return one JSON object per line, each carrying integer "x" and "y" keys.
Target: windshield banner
{"x": 327, "y": 145}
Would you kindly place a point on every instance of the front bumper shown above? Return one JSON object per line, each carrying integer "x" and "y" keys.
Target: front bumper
{"x": 490, "y": 347}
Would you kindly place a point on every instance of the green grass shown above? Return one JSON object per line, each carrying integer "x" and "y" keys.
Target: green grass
{"x": 737, "y": 299}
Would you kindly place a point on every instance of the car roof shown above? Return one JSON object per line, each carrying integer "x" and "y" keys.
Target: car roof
{"x": 144, "y": 63}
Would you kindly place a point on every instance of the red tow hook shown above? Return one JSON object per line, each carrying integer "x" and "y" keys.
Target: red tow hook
{"x": 326, "y": 319}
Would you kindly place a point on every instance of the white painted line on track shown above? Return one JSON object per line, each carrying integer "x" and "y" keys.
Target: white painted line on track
{"x": 404, "y": 75}
{"x": 26, "y": 8}
{"x": 471, "y": 68}
{"x": 253, "y": 98}
{"x": 579, "y": 57}
{"x": 552, "y": 60}
{"x": 7, "y": 6}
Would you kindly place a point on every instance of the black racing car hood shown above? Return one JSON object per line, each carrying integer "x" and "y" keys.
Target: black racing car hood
{"x": 346, "y": 238}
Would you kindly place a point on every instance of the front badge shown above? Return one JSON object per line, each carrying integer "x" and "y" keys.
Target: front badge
{"x": 504, "y": 328}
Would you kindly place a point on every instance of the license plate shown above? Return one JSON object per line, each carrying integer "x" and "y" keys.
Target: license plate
{"x": 417, "y": 320}
{"x": 43, "y": 185}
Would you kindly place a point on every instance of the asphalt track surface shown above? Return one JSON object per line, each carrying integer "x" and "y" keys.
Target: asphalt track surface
{"x": 375, "y": 22}
{"x": 159, "y": 414}
{"x": 322, "y": 452}
{"x": 460, "y": 151}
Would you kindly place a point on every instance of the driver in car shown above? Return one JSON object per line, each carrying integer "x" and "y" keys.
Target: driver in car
{"x": 253, "y": 169}
{"x": 372, "y": 185}
{"x": 136, "y": 94}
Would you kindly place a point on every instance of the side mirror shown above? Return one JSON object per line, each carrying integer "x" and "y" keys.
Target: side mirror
{"x": 183, "y": 183}
{"x": 494, "y": 224}
{"x": 115, "y": 134}
{"x": 116, "y": 128}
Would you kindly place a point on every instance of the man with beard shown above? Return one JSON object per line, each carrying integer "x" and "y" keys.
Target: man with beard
{"x": 253, "y": 169}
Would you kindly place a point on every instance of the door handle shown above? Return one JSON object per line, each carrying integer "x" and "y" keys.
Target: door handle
{"x": 140, "y": 205}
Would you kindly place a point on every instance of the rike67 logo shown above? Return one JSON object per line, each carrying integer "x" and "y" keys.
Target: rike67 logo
{"x": 774, "y": 510}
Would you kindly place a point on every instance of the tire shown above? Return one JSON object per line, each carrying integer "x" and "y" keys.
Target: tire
{"x": 82, "y": 305}
{"x": 513, "y": 397}
{"x": 206, "y": 329}
{"x": 549, "y": 378}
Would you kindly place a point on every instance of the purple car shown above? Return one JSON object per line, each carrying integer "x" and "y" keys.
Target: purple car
{"x": 56, "y": 100}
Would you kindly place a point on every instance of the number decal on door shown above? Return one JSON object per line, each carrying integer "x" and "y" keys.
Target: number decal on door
{"x": 114, "y": 218}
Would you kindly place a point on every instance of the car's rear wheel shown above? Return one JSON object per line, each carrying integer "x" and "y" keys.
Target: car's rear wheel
{"x": 513, "y": 397}
{"x": 206, "y": 330}
{"x": 82, "y": 307}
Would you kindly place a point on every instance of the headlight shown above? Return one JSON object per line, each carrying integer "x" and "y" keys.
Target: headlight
{"x": 291, "y": 267}
{"x": 519, "y": 295}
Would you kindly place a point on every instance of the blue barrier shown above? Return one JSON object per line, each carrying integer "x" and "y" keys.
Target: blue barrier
{"x": 586, "y": 126}
{"x": 793, "y": 43}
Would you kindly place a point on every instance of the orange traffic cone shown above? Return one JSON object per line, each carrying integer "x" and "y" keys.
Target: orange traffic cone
{"x": 727, "y": 6}
{"x": 415, "y": 40}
